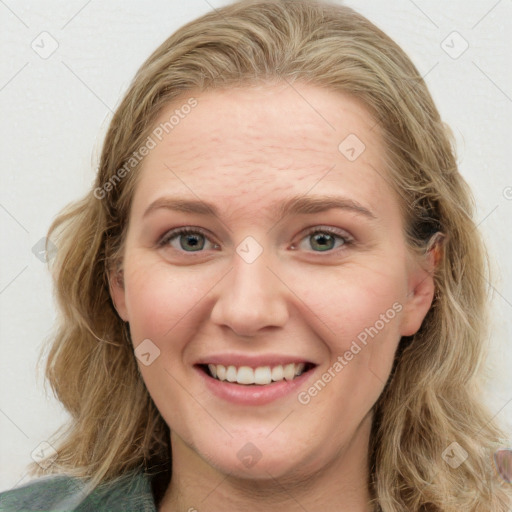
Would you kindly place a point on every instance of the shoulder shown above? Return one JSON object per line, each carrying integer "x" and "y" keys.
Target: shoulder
{"x": 43, "y": 493}
{"x": 65, "y": 493}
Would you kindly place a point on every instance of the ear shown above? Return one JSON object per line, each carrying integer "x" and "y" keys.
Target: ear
{"x": 421, "y": 286}
{"x": 117, "y": 292}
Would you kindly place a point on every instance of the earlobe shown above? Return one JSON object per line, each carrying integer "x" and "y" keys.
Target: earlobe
{"x": 419, "y": 300}
{"x": 117, "y": 293}
{"x": 422, "y": 287}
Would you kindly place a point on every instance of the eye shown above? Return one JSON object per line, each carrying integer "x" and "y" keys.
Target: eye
{"x": 324, "y": 239}
{"x": 189, "y": 239}
{"x": 193, "y": 240}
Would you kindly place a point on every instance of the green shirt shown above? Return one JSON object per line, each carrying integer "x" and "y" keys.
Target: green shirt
{"x": 133, "y": 492}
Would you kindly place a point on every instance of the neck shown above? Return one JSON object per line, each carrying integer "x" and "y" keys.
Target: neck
{"x": 339, "y": 485}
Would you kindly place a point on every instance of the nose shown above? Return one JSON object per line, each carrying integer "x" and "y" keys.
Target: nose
{"x": 252, "y": 297}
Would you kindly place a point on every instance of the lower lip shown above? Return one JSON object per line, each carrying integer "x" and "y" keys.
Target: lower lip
{"x": 253, "y": 394}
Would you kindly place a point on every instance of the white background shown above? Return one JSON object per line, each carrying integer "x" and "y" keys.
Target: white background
{"x": 55, "y": 110}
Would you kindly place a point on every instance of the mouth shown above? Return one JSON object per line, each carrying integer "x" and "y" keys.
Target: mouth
{"x": 256, "y": 376}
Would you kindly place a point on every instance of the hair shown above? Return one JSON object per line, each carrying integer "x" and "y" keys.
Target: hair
{"x": 431, "y": 399}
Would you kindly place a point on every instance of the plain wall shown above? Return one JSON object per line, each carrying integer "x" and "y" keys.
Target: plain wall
{"x": 55, "y": 109}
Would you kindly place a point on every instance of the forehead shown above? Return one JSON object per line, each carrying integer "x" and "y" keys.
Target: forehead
{"x": 245, "y": 149}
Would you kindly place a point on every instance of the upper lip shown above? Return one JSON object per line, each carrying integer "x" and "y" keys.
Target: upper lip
{"x": 252, "y": 361}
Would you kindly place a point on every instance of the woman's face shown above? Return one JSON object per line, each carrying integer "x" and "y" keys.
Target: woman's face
{"x": 295, "y": 261}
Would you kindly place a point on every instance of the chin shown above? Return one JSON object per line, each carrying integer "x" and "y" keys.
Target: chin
{"x": 262, "y": 459}
{"x": 269, "y": 469}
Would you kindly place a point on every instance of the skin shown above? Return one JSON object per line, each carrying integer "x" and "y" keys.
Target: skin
{"x": 242, "y": 150}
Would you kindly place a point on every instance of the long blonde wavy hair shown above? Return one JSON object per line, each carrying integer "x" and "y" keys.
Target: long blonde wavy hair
{"x": 431, "y": 399}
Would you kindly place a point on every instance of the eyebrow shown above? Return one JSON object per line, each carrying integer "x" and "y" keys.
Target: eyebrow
{"x": 305, "y": 205}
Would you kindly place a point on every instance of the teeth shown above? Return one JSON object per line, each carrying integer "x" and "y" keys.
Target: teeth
{"x": 261, "y": 375}
{"x": 277, "y": 373}
{"x": 221, "y": 371}
{"x": 244, "y": 375}
{"x": 289, "y": 371}
{"x": 231, "y": 374}
{"x": 213, "y": 370}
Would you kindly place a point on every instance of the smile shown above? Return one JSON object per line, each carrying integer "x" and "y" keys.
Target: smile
{"x": 251, "y": 383}
{"x": 261, "y": 375}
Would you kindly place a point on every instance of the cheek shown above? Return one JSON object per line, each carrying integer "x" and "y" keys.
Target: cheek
{"x": 362, "y": 346}
{"x": 159, "y": 300}
{"x": 355, "y": 298}
{"x": 362, "y": 308}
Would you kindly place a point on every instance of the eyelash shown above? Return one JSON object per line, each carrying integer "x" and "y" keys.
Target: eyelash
{"x": 347, "y": 240}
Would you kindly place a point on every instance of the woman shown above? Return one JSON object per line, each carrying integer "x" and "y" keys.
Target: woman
{"x": 316, "y": 345}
